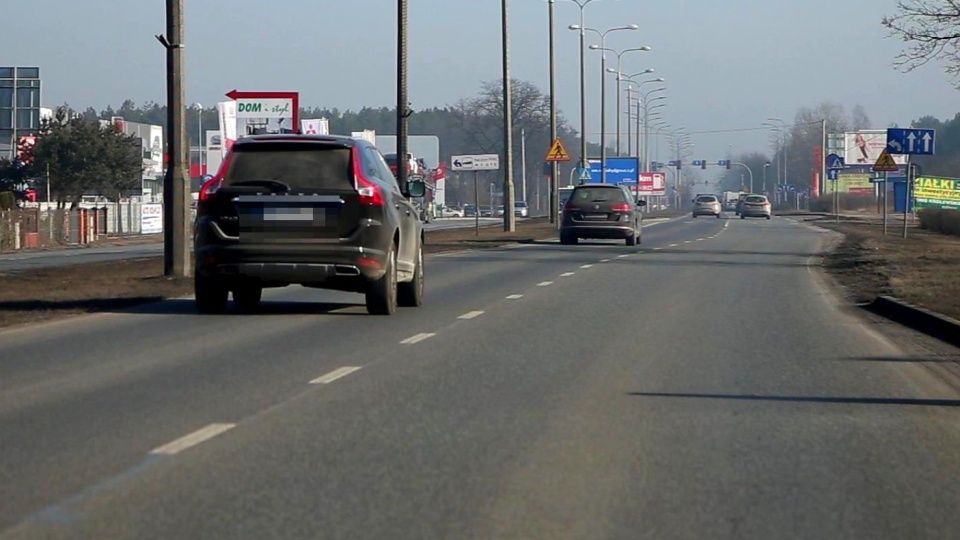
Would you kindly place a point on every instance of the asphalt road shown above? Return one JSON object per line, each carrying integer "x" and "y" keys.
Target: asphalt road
{"x": 35, "y": 260}
{"x": 704, "y": 385}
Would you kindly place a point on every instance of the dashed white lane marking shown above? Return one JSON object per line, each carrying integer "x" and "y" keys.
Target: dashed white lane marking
{"x": 567, "y": 274}
{"x": 587, "y": 266}
{"x": 657, "y": 248}
{"x": 417, "y": 338}
{"x": 604, "y": 260}
{"x": 700, "y": 239}
{"x": 471, "y": 315}
{"x": 673, "y": 245}
{"x": 623, "y": 256}
{"x": 726, "y": 224}
{"x": 544, "y": 283}
{"x": 193, "y": 439}
{"x": 338, "y": 373}
{"x": 514, "y": 297}
{"x": 687, "y": 241}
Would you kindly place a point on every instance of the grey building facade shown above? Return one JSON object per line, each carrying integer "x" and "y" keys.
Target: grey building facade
{"x": 19, "y": 106}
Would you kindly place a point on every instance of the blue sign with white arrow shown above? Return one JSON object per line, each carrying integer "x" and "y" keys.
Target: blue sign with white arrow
{"x": 833, "y": 174}
{"x": 835, "y": 163}
{"x": 912, "y": 142}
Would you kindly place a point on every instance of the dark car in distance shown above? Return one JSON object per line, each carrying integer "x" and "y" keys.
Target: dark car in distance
{"x": 319, "y": 211}
{"x": 601, "y": 211}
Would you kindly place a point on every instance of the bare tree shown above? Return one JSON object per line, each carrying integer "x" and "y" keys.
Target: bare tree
{"x": 931, "y": 29}
{"x": 859, "y": 118}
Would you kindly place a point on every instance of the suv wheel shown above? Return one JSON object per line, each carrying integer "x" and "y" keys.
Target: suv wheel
{"x": 567, "y": 239}
{"x": 210, "y": 295}
{"x": 410, "y": 294}
{"x": 632, "y": 239}
{"x": 247, "y": 297}
{"x": 382, "y": 293}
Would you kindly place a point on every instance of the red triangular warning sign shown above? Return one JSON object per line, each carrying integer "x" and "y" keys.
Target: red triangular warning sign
{"x": 885, "y": 163}
{"x": 558, "y": 152}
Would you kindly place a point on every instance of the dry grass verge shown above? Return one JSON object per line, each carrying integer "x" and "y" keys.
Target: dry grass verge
{"x": 921, "y": 269}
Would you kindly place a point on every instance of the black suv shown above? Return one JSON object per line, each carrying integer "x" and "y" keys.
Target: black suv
{"x": 601, "y": 211}
{"x": 319, "y": 211}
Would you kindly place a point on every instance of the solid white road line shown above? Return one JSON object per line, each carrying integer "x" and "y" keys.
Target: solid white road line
{"x": 587, "y": 266}
{"x": 544, "y": 283}
{"x": 514, "y": 297}
{"x": 471, "y": 315}
{"x": 338, "y": 373}
{"x": 567, "y": 274}
{"x": 193, "y": 439}
{"x": 417, "y": 338}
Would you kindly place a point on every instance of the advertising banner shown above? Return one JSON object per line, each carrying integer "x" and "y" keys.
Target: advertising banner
{"x": 214, "y": 140}
{"x": 864, "y": 147}
{"x": 318, "y": 126}
{"x": 932, "y": 192}
{"x": 227, "y": 112}
{"x": 154, "y": 167}
{"x": 620, "y": 170}
{"x": 151, "y": 219}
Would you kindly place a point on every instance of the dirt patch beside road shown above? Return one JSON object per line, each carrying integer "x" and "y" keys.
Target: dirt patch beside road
{"x": 921, "y": 269}
{"x": 42, "y": 295}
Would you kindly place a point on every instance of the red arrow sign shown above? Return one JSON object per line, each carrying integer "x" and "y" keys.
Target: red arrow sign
{"x": 294, "y": 97}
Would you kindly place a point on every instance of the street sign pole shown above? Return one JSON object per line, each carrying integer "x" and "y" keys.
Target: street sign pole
{"x": 476, "y": 204}
{"x": 883, "y": 186}
{"x": 906, "y": 197}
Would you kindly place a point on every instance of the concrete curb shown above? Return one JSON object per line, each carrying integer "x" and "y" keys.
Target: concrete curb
{"x": 923, "y": 320}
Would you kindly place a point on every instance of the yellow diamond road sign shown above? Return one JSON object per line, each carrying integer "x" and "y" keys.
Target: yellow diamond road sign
{"x": 885, "y": 163}
{"x": 558, "y": 152}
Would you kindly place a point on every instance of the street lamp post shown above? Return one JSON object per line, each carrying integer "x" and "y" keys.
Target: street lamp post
{"x": 765, "y": 165}
{"x": 554, "y": 166}
{"x": 582, "y": 4}
{"x": 640, "y": 97}
{"x": 645, "y": 100}
{"x": 603, "y": 89}
{"x": 620, "y": 78}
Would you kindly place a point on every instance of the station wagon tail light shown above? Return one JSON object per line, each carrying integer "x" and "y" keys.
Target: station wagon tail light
{"x": 620, "y": 207}
{"x": 569, "y": 207}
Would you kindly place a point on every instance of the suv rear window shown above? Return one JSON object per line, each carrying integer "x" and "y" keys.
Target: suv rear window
{"x": 706, "y": 198}
{"x": 299, "y": 165}
{"x": 598, "y": 195}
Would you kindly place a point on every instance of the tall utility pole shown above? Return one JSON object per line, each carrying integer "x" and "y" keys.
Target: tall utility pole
{"x": 402, "y": 100}
{"x": 176, "y": 192}
{"x": 523, "y": 164}
{"x": 509, "y": 219}
{"x": 629, "y": 116}
{"x": 554, "y": 166}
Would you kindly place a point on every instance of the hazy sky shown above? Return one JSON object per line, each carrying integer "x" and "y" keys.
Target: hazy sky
{"x": 728, "y": 64}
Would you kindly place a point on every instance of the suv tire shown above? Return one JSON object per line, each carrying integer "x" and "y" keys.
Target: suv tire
{"x": 382, "y": 294}
{"x": 210, "y": 295}
{"x": 247, "y": 297}
{"x": 410, "y": 294}
{"x": 567, "y": 239}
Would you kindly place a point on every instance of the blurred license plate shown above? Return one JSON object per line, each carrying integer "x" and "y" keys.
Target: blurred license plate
{"x": 594, "y": 216}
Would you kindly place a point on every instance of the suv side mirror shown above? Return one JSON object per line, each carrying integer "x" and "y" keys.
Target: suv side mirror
{"x": 416, "y": 188}
{"x": 641, "y": 203}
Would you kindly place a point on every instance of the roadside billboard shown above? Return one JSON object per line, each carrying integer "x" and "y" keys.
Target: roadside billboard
{"x": 620, "y": 170}
{"x": 151, "y": 218}
{"x": 856, "y": 183}
{"x": 214, "y": 155}
{"x": 653, "y": 184}
{"x": 930, "y": 192}
{"x": 864, "y": 147}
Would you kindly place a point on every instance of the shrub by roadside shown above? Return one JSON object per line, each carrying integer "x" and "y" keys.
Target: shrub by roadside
{"x": 848, "y": 201}
{"x": 940, "y": 220}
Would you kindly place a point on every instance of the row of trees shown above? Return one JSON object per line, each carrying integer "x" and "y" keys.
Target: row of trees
{"x": 74, "y": 156}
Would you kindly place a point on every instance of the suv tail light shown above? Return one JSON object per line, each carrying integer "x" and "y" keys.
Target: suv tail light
{"x": 369, "y": 193}
{"x": 210, "y": 187}
{"x": 620, "y": 207}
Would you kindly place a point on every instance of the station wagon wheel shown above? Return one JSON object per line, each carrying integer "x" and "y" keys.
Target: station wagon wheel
{"x": 410, "y": 294}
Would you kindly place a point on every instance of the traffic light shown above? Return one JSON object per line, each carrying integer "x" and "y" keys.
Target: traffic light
{"x": 728, "y": 164}
{"x": 703, "y": 164}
